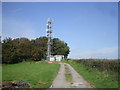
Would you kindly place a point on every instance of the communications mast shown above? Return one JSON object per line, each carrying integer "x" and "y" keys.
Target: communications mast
{"x": 49, "y": 35}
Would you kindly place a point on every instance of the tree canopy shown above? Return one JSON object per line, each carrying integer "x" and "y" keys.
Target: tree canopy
{"x": 23, "y": 49}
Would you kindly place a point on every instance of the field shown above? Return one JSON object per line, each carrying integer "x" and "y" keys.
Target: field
{"x": 0, "y": 72}
{"x": 38, "y": 74}
{"x": 100, "y": 73}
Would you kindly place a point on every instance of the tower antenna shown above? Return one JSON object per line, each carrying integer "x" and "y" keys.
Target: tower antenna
{"x": 49, "y": 35}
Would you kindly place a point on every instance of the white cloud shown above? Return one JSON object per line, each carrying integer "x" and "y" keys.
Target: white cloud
{"x": 109, "y": 53}
{"x": 15, "y": 29}
{"x": 17, "y": 10}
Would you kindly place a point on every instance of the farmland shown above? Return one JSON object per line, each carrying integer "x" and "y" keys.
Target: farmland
{"x": 38, "y": 74}
{"x": 101, "y": 73}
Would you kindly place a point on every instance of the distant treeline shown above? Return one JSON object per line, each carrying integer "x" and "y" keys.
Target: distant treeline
{"x": 23, "y": 49}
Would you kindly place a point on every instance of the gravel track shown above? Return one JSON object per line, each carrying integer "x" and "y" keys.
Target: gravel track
{"x": 77, "y": 80}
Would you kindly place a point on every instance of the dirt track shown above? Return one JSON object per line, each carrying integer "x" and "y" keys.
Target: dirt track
{"x": 77, "y": 80}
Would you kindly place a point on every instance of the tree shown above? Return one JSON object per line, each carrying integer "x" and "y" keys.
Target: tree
{"x": 60, "y": 47}
{"x": 23, "y": 49}
{"x": 41, "y": 45}
{"x": 8, "y": 51}
{"x": 0, "y": 51}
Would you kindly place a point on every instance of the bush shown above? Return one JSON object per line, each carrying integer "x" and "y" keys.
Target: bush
{"x": 101, "y": 64}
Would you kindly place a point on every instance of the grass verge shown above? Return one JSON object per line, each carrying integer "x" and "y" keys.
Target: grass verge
{"x": 96, "y": 78}
{"x": 39, "y": 74}
{"x": 68, "y": 75}
{"x": 0, "y": 72}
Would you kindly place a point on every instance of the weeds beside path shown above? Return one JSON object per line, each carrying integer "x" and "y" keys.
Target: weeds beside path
{"x": 98, "y": 78}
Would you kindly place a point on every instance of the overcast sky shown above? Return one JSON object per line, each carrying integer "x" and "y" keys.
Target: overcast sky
{"x": 90, "y": 29}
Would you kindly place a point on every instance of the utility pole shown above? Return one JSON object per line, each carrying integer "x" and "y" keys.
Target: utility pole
{"x": 49, "y": 35}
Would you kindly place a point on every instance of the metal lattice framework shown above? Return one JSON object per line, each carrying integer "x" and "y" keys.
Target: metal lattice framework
{"x": 49, "y": 35}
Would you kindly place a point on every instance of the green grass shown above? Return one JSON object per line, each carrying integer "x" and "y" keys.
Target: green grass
{"x": 0, "y": 72}
{"x": 68, "y": 75}
{"x": 39, "y": 74}
{"x": 96, "y": 78}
